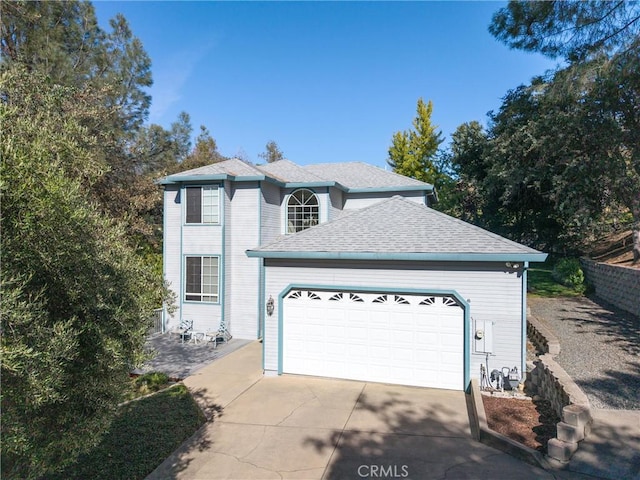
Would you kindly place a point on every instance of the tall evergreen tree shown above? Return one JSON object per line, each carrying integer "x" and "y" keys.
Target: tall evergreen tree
{"x": 413, "y": 152}
{"x": 62, "y": 40}
{"x": 573, "y": 29}
{"x": 272, "y": 152}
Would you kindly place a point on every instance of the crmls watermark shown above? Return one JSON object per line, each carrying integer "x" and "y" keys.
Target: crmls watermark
{"x": 383, "y": 471}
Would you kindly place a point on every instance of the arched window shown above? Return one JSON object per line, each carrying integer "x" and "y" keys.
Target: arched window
{"x": 302, "y": 210}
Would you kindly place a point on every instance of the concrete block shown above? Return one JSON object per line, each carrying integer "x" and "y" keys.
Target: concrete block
{"x": 553, "y": 348}
{"x": 576, "y": 415}
{"x": 570, "y": 433}
{"x": 561, "y": 451}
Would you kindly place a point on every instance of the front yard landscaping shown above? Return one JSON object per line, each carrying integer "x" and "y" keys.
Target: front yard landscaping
{"x": 143, "y": 434}
{"x": 524, "y": 420}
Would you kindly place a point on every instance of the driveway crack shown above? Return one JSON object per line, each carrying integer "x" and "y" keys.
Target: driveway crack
{"x": 313, "y": 397}
{"x": 246, "y": 462}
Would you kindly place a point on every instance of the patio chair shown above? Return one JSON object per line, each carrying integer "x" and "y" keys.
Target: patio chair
{"x": 185, "y": 330}
{"x": 222, "y": 335}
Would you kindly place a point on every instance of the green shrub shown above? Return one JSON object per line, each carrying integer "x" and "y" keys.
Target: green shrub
{"x": 569, "y": 273}
{"x": 148, "y": 383}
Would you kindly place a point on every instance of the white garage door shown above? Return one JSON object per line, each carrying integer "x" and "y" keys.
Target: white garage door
{"x": 378, "y": 337}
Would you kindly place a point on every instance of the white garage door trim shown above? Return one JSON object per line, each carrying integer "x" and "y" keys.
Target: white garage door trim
{"x": 407, "y": 303}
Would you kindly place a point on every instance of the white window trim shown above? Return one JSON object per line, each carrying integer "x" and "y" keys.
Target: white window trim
{"x": 201, "y": 293}
{"x": 214, "y": 213}
{"x": 287, "y": 225}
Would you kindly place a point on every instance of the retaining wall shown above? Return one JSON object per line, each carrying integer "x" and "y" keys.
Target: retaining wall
{"x": 548, "y": 379}
{"x": 615, "y": 284}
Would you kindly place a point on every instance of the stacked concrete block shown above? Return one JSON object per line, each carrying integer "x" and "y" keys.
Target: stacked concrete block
{"x": 575, "y": 426}
{"x": 541, "y": 336}
{"x": 616, "y": 284}
{"x": 550, "y": 381}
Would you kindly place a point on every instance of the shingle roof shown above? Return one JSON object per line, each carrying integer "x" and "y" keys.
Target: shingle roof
{"x": 355, "y": 175}
{"x": 397, "y": 229}
{"x": 233, "y": 166}
{"x": 288, "y": 172}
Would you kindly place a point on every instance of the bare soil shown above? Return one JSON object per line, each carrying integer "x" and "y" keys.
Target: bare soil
{"x": 616, "y": 249}
{"x": 531, "y": 423}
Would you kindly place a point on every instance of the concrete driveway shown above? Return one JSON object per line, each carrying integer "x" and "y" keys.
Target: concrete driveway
{"x": 295, "y": 427}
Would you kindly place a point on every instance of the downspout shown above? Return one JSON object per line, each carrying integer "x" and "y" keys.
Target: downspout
{"x": 260, "y": 333}
{"x": 164, "y": 254}
{"x": 223, "y": 272}
{"x": 181, "y": 285}
{"x": 523, "y": 365}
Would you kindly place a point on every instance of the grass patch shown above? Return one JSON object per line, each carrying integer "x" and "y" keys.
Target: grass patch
{"x": 147, "y": 383}
{"x": 143, "y": 434}
{"x": 540, "y": 282}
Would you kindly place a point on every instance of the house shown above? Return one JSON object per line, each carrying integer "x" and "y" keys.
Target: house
{"x": 345, "y": 271}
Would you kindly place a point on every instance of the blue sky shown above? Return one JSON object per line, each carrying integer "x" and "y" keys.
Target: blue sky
{"x": 328, "y": 81}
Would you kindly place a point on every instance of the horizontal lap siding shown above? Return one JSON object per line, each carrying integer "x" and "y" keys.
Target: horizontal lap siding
{"x": 242, "y": 272}
{"x": 270, "y": 210}
{"x": 335, "y": 203}
{"x": 361, "y": 200}
{"x": 205, "y": 316}
{"x": 171, "y": 246}
{"x": 181, "y": 240}
{"x": 493, "y": 293}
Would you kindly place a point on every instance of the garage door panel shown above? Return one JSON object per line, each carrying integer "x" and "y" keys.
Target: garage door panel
{"x": 376, "y": 337}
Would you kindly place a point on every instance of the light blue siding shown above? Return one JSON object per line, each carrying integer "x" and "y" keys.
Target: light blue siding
{"x": 492, "y": 292}
{"x": 271, "y": 201}
{"x": 361, "y": 200}
{"x": 242, "y": 272}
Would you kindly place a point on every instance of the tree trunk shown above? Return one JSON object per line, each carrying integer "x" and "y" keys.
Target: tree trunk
{"x": 635, "y": 227}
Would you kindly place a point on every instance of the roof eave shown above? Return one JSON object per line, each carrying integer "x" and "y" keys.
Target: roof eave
{"x": 403, "y": 188}
{"x": 175, "y": 179}
{"x": 308, "y": 184}
{"x": 448, "y": 257}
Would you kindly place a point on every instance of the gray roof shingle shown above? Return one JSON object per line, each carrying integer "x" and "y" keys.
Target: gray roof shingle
{"x": 393, "y": 228}
{"x": 288, "y": 172}
{"x": 352, "y": 176}
{"x": 355, "y": 175}
{"x": 233, "y": 166}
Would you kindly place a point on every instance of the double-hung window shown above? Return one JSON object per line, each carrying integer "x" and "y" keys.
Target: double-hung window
{"x": 203, "y": 204}
{"x": 202, "y": 279}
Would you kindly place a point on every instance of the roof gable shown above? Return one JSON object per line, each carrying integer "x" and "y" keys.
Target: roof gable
{"x": 398, "y": 229}
{"x": 233, "y": 166}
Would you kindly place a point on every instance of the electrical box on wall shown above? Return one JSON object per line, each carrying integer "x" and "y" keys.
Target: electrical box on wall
{"x": 483, "y": 336}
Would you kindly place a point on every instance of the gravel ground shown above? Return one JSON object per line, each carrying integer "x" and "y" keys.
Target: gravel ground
{"x": 599, "y": 348}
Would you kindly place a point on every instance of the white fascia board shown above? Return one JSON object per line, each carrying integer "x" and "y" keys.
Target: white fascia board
{"x": 451, "y": 257}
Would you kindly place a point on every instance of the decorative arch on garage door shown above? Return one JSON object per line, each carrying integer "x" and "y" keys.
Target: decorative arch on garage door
{"x": 403, "y": 336}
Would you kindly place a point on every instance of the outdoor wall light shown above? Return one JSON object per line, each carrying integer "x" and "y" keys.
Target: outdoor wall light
{"x": 270, "y": 306}
{"x": 515, "y": 266}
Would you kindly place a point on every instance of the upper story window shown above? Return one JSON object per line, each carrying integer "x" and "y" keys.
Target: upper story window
{"x": 302, "y": 210}
{"x": 203, "y": 204}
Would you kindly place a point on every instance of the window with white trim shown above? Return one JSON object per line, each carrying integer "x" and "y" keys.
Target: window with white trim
{"x": 201, "y": 279}
{"x": 203, "y": 205}
{"x": 302, "y": 210}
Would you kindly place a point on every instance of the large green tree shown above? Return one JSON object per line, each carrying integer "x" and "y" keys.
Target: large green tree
{"x": 467, "y": 156}
{"x": 75, "y": 297}
{"x": 413, "y": 152}
{"x": 573, "y": 29}
{"x": 62, "y": 40}
{"x": 588, "y": 130}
